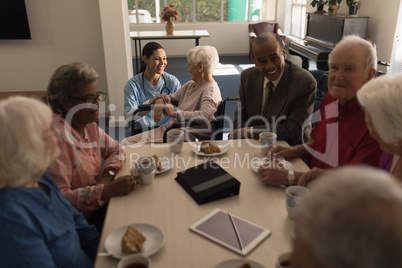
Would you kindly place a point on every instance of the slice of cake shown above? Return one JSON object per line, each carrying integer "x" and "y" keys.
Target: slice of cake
{"x": 214, "y": 147}
{"x": 132, "y": 241}
{"x": 210, "y": 147}
{"x": 206, "y": 147}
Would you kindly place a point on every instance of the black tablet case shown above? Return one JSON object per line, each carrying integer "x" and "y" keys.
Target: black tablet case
{"x": 208, "y": 182}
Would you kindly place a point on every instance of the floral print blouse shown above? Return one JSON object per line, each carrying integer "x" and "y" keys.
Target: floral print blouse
{"x": 78, "y": 167}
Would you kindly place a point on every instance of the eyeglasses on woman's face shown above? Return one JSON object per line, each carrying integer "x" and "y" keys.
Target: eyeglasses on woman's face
{"x": 100, "y": 96}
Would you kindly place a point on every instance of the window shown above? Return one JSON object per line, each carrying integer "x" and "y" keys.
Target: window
{"x": 298, "y": 25}
{"x": 204, "y": 10}
{"x": 396, "y": 57}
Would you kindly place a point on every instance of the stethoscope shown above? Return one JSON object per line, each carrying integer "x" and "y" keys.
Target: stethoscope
{"x": 161, "y": 92}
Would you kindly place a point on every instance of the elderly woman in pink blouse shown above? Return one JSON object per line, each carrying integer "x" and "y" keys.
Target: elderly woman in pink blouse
{"x": 197, "y": 100}
{"x": 74, "y": 97}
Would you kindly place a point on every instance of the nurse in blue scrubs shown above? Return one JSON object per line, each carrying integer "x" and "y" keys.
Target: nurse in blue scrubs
{"x": 151, "y": 80}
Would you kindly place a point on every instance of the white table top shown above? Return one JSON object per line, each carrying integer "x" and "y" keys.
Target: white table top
{"x": 177, "y": 34}
{"x": 166, "y": 205}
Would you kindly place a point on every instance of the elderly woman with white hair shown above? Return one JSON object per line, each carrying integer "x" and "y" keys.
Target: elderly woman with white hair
{"x": 197, "y": 100}
{"x": 39, "y": 227}
{"x": 352, "y": 218}
{"x": 382, "y": 103}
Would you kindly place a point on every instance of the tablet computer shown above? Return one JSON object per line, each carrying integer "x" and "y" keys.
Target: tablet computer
{"x": 230, "y": 231}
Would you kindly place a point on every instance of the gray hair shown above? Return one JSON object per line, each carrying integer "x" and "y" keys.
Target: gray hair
{"x": 267, "y": 37}
{"x": 207, "y": 55}
{"x": 353, "y": 218}
{"x": 64, "y": 81}
{"x": 371, "y": 52}
{"x": 23, "y": 150}
{"x": 382, "y": 100}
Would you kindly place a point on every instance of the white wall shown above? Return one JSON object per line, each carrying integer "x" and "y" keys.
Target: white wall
{"x": 62, "y": 32}
{"x": 118, "y": 63}
{"x": 67, "y": 31}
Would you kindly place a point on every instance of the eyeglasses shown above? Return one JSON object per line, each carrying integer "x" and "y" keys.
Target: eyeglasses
{"x": 100, "y": 96}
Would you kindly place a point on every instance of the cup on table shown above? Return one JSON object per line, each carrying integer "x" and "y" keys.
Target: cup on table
{"x": 135, "y": 261}
{"x": 146, "y": 168}
{"x": 267, "y": 141}
{"x": 175, "y": 138}
{"x": 283, "y": 261}
{"x": 294, "y": 198}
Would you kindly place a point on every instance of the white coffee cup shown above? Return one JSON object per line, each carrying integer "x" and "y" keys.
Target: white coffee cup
{"x": 294, "y": 197}
{"x": 175, "y": 138}
{"x": 267, "y": 141}
{"x": 146, "y": 168}
{"x": 283, "y": 261}
{"x": 135, "y": 259}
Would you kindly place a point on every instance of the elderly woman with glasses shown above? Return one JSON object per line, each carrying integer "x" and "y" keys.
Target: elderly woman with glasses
{"x": 73, "y": 96}
{"x": 39, "y": 227}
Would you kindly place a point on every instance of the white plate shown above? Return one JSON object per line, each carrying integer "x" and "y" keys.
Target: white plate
{"x": 287, "y": 165}
{"x": 237, "y": 263}
{"x": 155, "y": 240}
{"x": 224, "y": 148}
{"x": 167, "y": 164}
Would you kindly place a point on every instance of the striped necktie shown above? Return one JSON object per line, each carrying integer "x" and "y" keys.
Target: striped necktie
{"x": 270, "y": 87}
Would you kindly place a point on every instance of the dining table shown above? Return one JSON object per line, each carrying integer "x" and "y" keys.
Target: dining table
{"x": 165, "y": 205}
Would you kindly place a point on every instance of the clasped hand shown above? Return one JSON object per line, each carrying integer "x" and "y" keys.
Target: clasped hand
{"x": 162, "y": 108}
{"x": 121, "y": 186}
{"x": 272, "y": 175}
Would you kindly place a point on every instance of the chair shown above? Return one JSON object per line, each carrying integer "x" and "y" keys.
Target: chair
{"x": 141, "y": 108}
{"x": 262, "y": 27}
{"x": 217, "y": 125}
{"x": 385, "y": 68}
{"x": 322, "y": 86}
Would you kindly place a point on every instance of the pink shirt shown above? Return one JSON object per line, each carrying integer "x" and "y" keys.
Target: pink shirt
{"x": 77, "y": 169}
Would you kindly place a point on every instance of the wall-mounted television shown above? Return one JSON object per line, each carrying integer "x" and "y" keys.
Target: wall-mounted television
{"x": 14, "y": 20}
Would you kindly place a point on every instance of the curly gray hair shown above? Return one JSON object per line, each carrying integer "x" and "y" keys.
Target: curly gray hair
{"x": 63, "y": 83}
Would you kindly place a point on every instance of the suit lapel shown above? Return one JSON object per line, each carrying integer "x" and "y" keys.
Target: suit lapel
{"x": 281, "y": 93}
{"x": 259, "y": 93}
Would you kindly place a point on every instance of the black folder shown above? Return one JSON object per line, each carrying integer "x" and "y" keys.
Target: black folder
{"x": 208, "y": 182}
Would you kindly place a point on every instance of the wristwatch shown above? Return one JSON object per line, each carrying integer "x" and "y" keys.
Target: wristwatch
{"x": 291, "y": 177}
{"x": 111, "y": 172}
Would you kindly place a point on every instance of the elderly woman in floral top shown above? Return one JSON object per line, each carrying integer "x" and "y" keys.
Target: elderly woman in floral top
{"x": 74, "y": 98}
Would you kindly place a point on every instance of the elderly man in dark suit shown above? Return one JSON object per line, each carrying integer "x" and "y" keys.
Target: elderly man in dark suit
{"x": 275, "y": 96}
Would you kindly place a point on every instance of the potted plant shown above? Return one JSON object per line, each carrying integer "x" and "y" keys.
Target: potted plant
{"x": 353, "y": 6}
{"x": 333, "y": 7}
{"x": 169, "y": 14}
{"x": 320, "y": 5}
